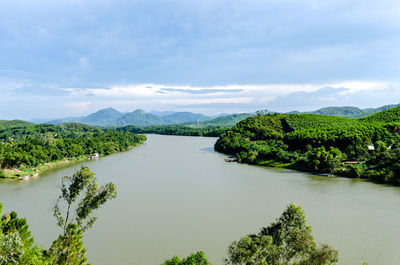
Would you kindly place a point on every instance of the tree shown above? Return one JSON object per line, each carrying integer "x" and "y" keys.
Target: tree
{"x": 68, "y": 248}
{"x": 82, "y": 186}
{"x": 11, "y": 248}
{"x": 17, "y": 244}
{"x": 198, "y": 258}
{"x": 288, "y": 241}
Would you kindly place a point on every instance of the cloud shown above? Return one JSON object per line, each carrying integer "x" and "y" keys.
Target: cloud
{"x": 361, "y": 94}
{"x": 204, "y": 43}
{"x": 198, "y": 91}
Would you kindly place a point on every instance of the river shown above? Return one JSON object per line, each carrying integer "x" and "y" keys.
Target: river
{"x": 177, "y": 196}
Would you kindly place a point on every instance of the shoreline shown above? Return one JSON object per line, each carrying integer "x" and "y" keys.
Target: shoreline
{"x": 26, "y": 173}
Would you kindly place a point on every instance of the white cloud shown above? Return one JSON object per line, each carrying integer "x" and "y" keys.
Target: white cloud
{"x": 77, "y": 108}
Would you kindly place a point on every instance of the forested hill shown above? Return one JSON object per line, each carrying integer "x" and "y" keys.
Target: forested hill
{"x": 13, "y": 123}
{"x": 25, "y": 148}
{"x": 348, "y": 111}
{"x": 320, "y": 143}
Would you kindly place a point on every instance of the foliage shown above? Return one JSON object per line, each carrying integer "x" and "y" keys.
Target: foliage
{"x": 68, "y": 248}
{"x": 319, "y": 143}
{"x": 198, "y": 258}
{"x": 13, "y": 123}
{"x": 17, "y": 244}
{"x": 287, "y": 241}
{"x": 83, "y": 183}
{"x": 185, "y": 130}
{"x": 322, "y": 160}
{"x": 11, "y": 248}
{"x": 35, "y": 145}
{"x": 81, "y": 193}
{"x": 390, "y": 115}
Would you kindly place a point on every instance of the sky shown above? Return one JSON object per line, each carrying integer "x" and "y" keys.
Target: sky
{"x": 73, "y": 57}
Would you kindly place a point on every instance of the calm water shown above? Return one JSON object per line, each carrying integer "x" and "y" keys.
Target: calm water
{"x": 176, "y": 196}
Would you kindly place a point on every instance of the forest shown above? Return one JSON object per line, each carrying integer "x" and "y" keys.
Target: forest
{"x": 28, "y": 146}
{"x": 183, "y": 130}
{"x": 359, "y": 148}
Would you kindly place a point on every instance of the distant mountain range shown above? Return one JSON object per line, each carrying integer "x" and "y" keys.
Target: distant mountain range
{"x": 112, "y": 117}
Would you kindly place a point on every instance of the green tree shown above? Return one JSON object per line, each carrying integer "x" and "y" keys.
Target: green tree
{"x": 198, "y": 258}
{"x": 288, "y": 241}
{"x": 68, "y": 248}
{"x": 11, "y": 248}
{"x": 16, "y": 242}
{"x": 82, "y": 186}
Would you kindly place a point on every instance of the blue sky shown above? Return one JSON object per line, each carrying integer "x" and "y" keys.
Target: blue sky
{"x": 72, "y": 57}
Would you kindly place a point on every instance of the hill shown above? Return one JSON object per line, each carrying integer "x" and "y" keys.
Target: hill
{"x": 228, "y": 120}
{"x": 185, "y": 117}
{"x": 387, "y": 116}
{"x": 318, "y": 143}
{"x": 348, "y": 111}
{"x": 14, "y": 123}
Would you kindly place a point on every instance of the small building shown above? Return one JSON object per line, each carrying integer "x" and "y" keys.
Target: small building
{"x": 93, "y": 156}
{"x": 371, "y": 148}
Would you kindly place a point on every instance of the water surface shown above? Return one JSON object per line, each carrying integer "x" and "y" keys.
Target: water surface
{"x": 176, "y": 196}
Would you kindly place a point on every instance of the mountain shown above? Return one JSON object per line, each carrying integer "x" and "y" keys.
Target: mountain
{"x": 102, "y": 117}
{"x": 185, "y": 117}
{"x": 65, "y": 120}
{"x": 139, "y": 118}
{"x": 112, "y": 117}
{"x": 228, "y": 120}
{"x": 162, "y": 113}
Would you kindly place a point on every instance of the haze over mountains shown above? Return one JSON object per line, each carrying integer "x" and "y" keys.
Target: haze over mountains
{"x": 113, "y": 117}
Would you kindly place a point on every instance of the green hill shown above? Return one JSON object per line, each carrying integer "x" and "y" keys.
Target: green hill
{"x": 14, "y": 123}
{"x": 387, "y": 116}
{"x": 319, "y": 143}
{"x": 348, "y": 111}
{"x": 226, "y": 120}
{"x": 185, "y": 117}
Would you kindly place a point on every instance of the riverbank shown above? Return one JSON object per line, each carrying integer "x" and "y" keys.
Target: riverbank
{"x": 25, "y": 173}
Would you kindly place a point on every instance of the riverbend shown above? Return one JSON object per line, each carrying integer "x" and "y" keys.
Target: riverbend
{"x": 177, "y": 196}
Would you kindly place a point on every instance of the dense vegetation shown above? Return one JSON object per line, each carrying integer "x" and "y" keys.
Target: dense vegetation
{"x": 318, "y": 143}
{"x": 26, "y": 147}
{"x": 13, "y": 123}
{"x": 210, "y": 131}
